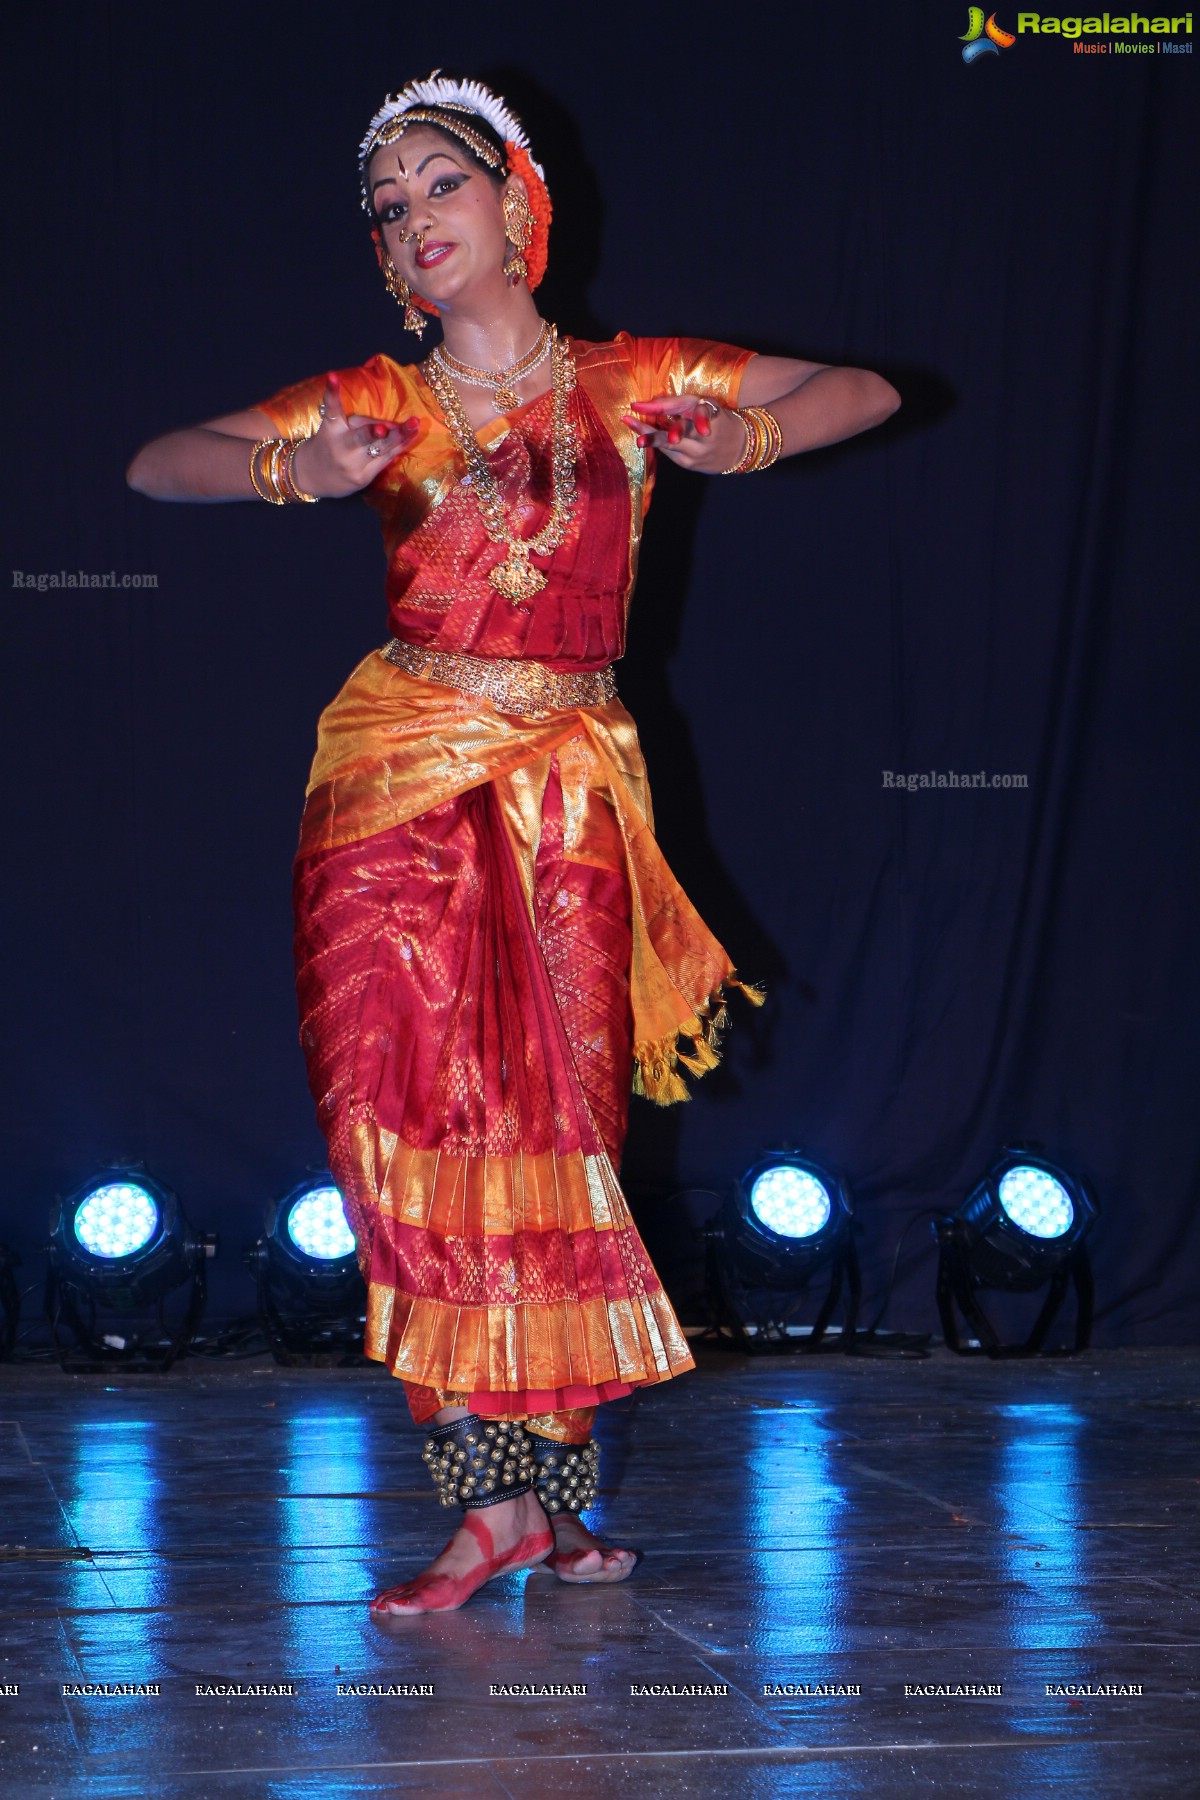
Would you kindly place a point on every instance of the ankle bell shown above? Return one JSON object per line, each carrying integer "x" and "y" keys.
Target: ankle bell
{"x": 567, "y": 1475}
{"x": 475, "y": 1464}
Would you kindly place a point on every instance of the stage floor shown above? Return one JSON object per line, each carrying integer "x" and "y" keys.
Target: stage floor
{"x": 876, "y": 1526}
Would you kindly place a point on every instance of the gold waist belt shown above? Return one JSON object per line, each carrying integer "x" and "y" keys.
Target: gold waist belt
{"x": 513, "y": 685}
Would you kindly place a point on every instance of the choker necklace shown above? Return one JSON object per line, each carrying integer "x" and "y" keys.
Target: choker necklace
{"x": 501, "y": 382}
{"x": 515, "y": 577}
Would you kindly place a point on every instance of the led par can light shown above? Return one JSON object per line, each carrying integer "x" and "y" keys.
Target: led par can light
{"x": 309, "y": 1248}
{"x": 122, "y": 1244}
{"x": 1024, "y": 1220}
{"x": 787, "y": 1223}
{"x": 123, "y": 1238}
{"x": 1023, "y": 1229}
{"x": 792, "y": 1214}
{"x": 311, "y": 1295}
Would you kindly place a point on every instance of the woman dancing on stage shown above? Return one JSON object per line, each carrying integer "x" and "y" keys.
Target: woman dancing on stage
{"x": 488, "y": 940}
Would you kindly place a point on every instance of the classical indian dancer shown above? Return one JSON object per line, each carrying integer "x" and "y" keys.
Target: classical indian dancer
{"x": 491, "y": 951}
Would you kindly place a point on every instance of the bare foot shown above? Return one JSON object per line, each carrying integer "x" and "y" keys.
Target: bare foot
{"x": 579, "y": 1556}
{"x": 492, "y": 1540}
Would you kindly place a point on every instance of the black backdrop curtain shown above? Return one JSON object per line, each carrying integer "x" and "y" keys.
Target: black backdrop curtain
{"x": 995, "y": 581}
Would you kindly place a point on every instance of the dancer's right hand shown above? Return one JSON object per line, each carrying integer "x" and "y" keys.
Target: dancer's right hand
{"x": 346, "y": 454}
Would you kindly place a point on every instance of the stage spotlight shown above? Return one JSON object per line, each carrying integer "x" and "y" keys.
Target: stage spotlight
{"x": 316, "y": 1224}
{"x": 122, "y": 1243}
{"x": 1021, "y": 1229}
{"x": 786, "y": 1221}
{"x": 789, "y": 1200}
{"x": 312, "y": 1299}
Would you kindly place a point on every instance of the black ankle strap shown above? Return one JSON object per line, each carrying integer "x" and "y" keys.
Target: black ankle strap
{"x": 476, "y": 1464}
{"x": 567, "y": 1475}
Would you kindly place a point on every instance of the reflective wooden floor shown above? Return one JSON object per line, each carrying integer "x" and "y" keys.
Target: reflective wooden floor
{"x": 850, "y": 1522}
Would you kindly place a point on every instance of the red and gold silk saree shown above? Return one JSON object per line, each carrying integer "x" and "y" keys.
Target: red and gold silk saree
{"x": 489, "y": 943}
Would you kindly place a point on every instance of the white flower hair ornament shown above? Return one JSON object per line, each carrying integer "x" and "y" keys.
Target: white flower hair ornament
{"x": 436, "y": 93}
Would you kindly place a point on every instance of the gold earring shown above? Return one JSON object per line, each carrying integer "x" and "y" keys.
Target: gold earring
{"x": 398, "y": 288}
{"x": 518, "y": 229}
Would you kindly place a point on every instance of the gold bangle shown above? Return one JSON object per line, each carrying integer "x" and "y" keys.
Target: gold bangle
{"x": 736, "y": 468}
{"x": 255, "y": 477}
{"x": 271, "y": 471}
{"x": 774, "y": 433}
{"x": 272, "y": 478}
{"x": 761, "y": 441}
{"x": 279, "y": 455}
{"x": 283, "y": 473}
{"x": 298, "y": 492}
{"x": 764, "y": 441}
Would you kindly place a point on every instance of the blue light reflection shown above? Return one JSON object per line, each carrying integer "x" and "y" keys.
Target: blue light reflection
{"x": 325, "y": 1523}
{"x": 1044, "y": 1551}
{"x": 113, "y": 1504}
{"x": 796, "y": 1505}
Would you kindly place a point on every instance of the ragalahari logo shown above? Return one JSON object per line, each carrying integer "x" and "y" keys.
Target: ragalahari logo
{"x": 983, "y": 38}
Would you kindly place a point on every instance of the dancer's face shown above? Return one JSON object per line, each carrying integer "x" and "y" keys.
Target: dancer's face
{"x": 440, "y": 215}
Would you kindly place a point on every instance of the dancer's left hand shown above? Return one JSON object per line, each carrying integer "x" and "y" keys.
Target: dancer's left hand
{"x": 694, "y": 432}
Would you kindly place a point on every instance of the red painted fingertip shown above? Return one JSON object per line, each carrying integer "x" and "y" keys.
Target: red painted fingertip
{"x": 335, "y": 380}
{"x": 642, "y": 442}
{"x": 380, "y": 430}
{"x": 674, "y": 435}
{"x": 702, "y": 424}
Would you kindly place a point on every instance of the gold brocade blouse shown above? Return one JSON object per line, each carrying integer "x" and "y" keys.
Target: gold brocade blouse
{"x": 439, "y": 555}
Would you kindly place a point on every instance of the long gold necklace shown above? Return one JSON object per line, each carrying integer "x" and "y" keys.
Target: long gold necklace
{"x": 515, "y": 577}
{"x": 501, "y": 383}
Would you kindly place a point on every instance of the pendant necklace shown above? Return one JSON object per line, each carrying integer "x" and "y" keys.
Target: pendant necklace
{"x": 500, "y": 382}
{"x": 515, "y": 577}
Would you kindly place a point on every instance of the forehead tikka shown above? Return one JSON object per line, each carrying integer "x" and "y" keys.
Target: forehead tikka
{"x": 421, "y": 115}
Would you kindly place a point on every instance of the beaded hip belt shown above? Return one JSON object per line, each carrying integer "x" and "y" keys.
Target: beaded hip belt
{"x": 513, "y": 685}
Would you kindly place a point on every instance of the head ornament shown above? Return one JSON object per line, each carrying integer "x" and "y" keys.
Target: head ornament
{"x": 455, "y": 96}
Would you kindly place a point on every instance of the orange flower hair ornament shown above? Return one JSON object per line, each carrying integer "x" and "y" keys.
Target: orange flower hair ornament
{"x": 451, "y": 106}
{"x": 537, "y": 255}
